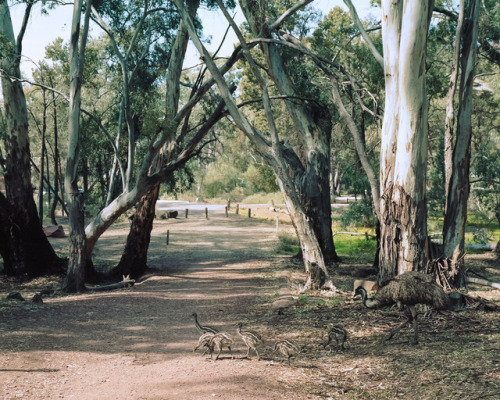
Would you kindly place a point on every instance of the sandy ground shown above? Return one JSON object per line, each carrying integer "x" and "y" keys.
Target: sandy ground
{"x": 137, "y": 342}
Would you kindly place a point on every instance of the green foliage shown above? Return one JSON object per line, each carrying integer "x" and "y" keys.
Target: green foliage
{"x": 303, "y": 299}
{"x": 358, "y": 213}
{"x": 178, "y": 182}
{"x": 260, "y": 178}
{"x": 436, "y": 196}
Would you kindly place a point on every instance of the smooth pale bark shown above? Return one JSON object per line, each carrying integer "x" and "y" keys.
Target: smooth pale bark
{"x": 391, "y": 33}
{"x": 449, "y": 120}
{"x": 404, "y": 138}
{"x": 24, "y": 248}
{"x": 459, "y": 186}
{"x": 75, "y": 276}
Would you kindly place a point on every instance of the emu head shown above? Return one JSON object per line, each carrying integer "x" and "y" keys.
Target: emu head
{"x": 360, "y": 291}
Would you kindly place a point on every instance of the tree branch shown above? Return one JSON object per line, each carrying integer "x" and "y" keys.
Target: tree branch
{"x": 24, "y": 24}
{"x": 362, "y": 30}
{"x": 288, "y": 13}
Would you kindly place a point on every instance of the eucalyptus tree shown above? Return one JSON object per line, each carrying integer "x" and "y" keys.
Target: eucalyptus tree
{"x": 165, "y": 137}
{"x": 403, "y": 159}
{"x": 23, "y": 245}
{"x": 74, "y": 280}
{"x": 354, "y": 82}
{"x": 134, "y": 257}
{"x": 459, "y": 181}
{"x": 293, "y": 176}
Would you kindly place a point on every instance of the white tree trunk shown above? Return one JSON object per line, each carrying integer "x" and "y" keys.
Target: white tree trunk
{"x": 404, "y": 138}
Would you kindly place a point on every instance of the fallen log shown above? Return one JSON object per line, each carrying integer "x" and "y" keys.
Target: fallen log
{"x": 126, "y": 282}
{"x": 483, "y": 282}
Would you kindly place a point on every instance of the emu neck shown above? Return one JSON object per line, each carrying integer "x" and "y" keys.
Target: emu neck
{"x": 370, "y": 303}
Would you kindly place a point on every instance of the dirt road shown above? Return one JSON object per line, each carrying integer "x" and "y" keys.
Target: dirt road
{"x": 138, "y": 343}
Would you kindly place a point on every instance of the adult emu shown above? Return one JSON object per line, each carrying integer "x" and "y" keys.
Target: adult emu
{"x": 408, "y": 289}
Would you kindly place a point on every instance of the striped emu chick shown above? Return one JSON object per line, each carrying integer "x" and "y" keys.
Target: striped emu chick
{"x": 218, "y": 342}
{"x": 204, "y": 341}
{"x": 288, "y": 348}
{"x": 250, "y": 338}
{"x": 201, "y": 328}
{"x": 337, "y": 333}
{"x": 408, "y": 289}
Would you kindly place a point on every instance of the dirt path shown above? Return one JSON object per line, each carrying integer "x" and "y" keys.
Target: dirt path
{"x": 138, "y": 343}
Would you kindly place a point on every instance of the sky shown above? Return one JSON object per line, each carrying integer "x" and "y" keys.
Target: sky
{"x": 44, "y": 29}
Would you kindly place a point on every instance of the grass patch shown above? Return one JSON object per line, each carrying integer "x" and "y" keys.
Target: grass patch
{"x": 287, "y": 243}
{"x": 349, "y": 246}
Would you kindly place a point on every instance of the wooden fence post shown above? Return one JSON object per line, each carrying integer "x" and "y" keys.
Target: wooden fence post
{"x": 187, "y": 212}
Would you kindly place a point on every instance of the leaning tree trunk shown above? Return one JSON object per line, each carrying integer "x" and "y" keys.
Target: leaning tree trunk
{"x": 404, "y": 138}
{"x": 316, "y": 141}
{"x": 269, "y": 148}
{"x": 459, "y": 186}
{"x": 135, "y": 256}
{"x": 449, "y": 120}
{"x": 25, "y": 248}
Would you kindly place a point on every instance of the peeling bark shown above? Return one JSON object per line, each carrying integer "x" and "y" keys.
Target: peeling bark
{"x": 404, "y": 138}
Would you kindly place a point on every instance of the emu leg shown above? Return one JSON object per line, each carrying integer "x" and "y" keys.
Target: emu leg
{"x": 230, "y": 352}
{"x": 415, "y": 326}
{"x": 392, "y": 332}
{"x": 218, "y": 354}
